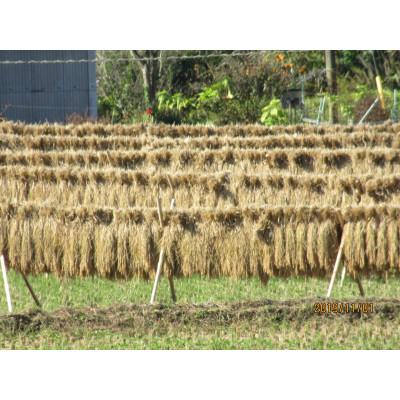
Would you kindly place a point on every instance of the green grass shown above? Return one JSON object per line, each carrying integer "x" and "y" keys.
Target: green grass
{"x": 257, "y": 333}
{"x": 96, "y": 292}
{"x": 332, "y": 334}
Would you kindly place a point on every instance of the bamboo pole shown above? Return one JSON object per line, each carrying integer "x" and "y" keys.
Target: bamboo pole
{"x": 368, "y": 111}
{"x": 360, "y": 286}
{"x": 35, "y": 299}
{"x": 6, "y": 286}
{"x": 162, "y": 256}
{"x": 170, "y": 277}
{"x": 172, "y": 288}
{"x": 342, "y": 276}
{"x": 335, "y": 268}
{"x": 157, "y": 278}
{"x": 380, "y": 91}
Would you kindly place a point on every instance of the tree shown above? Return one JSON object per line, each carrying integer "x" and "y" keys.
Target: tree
{"x": 120, "y": 89}
{"x": 150, "y": 64}
{"x": 330, "y": 60}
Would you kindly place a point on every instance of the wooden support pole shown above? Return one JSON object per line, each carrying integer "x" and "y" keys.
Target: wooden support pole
{"x": 157, "y": 278}
{"x": 335, "y": 268}
{"x": 360, "y": 286}
{"x": 264, "y": 280}
{"x": 6, "y": 286}
{"x": 28, "y": 285}
{"x": 172, "y": 288}
{"x": 368, "y": 111}
{"x": 343, "y": 276}
{"x": 162, "y": 256}
{"x": 170, "y": 277}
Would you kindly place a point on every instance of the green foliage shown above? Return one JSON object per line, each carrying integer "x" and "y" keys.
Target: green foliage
{"x": 170, "y": 107}
{"x": 201, "y": 90}
{"x": 354, "y": 99}
{"x": 175, "y": 102}
{"x": 106, "y": 107}
{"x": 212, "y": 94}
{"x": 201, "y": 108}
{"x": 274, "y": 114}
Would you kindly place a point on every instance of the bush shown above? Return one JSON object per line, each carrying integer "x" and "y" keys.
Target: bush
{"x": 274, "y": 114}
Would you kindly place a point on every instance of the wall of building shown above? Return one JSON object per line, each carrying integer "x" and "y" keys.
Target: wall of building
{"x": 36, "y": 93}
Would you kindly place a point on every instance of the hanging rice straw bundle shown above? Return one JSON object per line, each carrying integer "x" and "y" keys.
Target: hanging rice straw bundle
{"x": 123, "y": 256}
{"x": 143, "y": 250}
{"x": 208, "y": 260}
{"x": 312, "y": 246}
{"x": 86, "y": 266}
{"x": 235, "y": 257}
{"x": 393, "y": 241}
{"x": 170, "y": 240}
{"x": 218, "y": 247}
{"x": 188, "y": 252}
{"x": 382, "y": 246}
{"x": 105, "y": 250}
{"x": 327, "y": 245}
{"x": 256, "y": 259}
{"x": 301, "y": 247}
{"x": 4, "y": 224}
{"x": 348, "y": 246}
{"x": 371, "y": 244}
{"x": 279, "y": 248}
{"x": 53, "y": 238}
{"x": 14, "y": 243}
{"x": 290, "y": 247}
{"x": 360, "y": 245}
{"x": 71, "y": 251}
{"x": 39, "y": 246}
{"x": 265, "y": 233}
{"x": 27, "y": 255}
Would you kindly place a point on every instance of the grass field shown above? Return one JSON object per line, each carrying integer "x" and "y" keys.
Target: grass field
{"x": 210, "y": 314}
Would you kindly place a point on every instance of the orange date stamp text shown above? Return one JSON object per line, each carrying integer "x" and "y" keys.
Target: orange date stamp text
{"x": 343, "y": 308}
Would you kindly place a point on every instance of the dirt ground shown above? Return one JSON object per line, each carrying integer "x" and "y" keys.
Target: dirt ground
{"x": 132, "y": 318}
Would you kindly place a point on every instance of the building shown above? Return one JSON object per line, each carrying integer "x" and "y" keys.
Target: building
{"x": 36, "y": 92}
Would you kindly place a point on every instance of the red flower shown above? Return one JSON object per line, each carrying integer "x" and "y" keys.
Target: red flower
{"x": 149, "y": 111}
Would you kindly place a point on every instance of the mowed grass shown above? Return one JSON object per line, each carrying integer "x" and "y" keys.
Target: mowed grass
{"x": 332, "y": 335}
{"x": 96, "y": 292}
{"x": 314, "y": 333}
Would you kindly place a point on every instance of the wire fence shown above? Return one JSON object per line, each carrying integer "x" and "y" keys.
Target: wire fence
{"x": 101, "y": 59}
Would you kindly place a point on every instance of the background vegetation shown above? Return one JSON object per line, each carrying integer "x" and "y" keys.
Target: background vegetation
{"x": 164, "y": 86}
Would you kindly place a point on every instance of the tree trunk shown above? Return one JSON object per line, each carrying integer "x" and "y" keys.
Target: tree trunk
{"x": 150, "y": 68}
{"x": 146, "y": 84}
{"x": 330, "y": 61}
